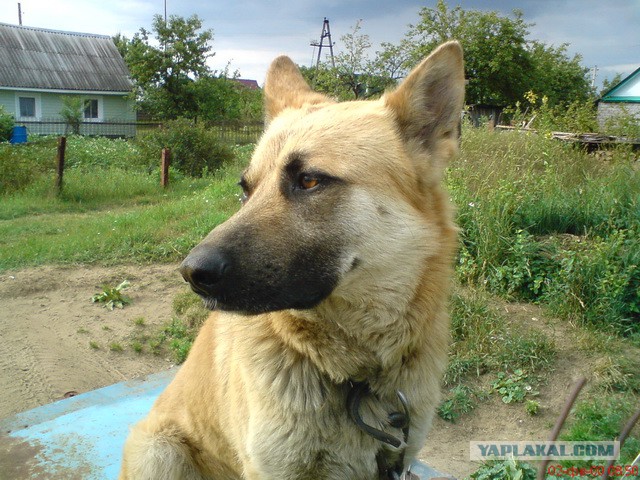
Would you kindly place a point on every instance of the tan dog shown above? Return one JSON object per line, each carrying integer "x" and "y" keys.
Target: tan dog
{"x": 330, "y": 287}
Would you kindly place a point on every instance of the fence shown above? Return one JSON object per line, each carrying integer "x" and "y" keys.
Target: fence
{"x": 101, "y": 129}
{"x": 229, "y": 132}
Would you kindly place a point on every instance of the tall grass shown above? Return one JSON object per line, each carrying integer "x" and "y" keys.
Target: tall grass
{"x": 546, "y": 221}
{"x": 121, "y": 216}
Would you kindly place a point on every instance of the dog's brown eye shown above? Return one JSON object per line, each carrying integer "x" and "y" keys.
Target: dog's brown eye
{"x": 307, "y": 182}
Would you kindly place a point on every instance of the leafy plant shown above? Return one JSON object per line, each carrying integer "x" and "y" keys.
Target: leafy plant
{"x": 532, "y": 407}
{"x": 513, "y": 388}
{"x": 195, "y": 149}
{"x": 505, "y": 470}
{"x": 6, "y": 124}
{"x": 71, "y": 112}
{"x": 112, "y": 297}
{"x": 458, "y": 402}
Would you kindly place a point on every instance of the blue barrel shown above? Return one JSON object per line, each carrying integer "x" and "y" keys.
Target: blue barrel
{"x": 19, "y": 134}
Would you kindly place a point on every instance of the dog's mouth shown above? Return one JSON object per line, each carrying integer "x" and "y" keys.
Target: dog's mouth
{"x": 249, "y": 305}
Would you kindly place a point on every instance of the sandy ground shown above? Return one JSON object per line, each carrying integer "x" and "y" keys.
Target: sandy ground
{"x": 48, "y": 323}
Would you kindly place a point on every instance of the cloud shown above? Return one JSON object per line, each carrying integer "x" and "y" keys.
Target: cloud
{"x": 250, "y": 32}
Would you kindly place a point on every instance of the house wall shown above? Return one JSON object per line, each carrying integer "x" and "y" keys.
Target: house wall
{"x": 609, "y": 110}
{"x": 111, "y": 109}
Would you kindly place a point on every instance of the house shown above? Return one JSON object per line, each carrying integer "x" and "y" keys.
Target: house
{"x": 623, "y": 98}
{"x": 39, "y": 67}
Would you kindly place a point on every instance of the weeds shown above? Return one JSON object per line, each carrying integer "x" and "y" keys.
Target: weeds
{"x": 460, "y": 400}
{"x": 112, "y": 297}
{"x": 532, "y": 407}
{"x": 513, "y": 387}
{"x": 504, "y": 470}
{"x": 546, "y": 222}
{"x": 483, "y": 342}
{"x": 602, "y": 419}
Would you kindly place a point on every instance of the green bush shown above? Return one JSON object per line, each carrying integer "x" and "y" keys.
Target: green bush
{"x": 23, "y": 164}
{"x": 195, "y": 150}
{"x": 6, "y": 125}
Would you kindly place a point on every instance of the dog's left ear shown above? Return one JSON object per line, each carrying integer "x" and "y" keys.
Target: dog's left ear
{"x": 427, "y": 107}
{"x": 285, "y": 87}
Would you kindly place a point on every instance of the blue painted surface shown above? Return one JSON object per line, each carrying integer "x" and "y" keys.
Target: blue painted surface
{"x": 79, "y": 437}
{"x": 18, "y": 134}
{"x": 82, "y": 437}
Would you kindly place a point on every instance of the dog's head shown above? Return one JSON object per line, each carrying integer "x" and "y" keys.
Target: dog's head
{"x": 339, "y": 198}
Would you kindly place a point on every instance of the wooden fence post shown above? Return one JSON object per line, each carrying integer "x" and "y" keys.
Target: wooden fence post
{"x": 164, "y": 167}
{"x": 62, "y": 146}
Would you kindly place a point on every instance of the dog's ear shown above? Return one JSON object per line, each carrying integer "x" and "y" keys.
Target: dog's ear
{"x": 427, "y": 107}
{"x": 285, "y": 87}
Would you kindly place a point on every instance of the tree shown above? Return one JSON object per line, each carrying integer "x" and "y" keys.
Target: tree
{"x": 556, "y": 76}
{"x": 164, "y": 73}
{"x": 609, "y": 84}
{"x": 501, "y": 64}
{"x": 71, "y": 112}
{"x": 496, "y": 57}
{"x": 222, "y": 98}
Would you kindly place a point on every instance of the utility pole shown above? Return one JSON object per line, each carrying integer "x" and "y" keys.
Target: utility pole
{"x": 19, "y": 14}
{"x": 594, "y": 72}
{"x": 326, "y": 33}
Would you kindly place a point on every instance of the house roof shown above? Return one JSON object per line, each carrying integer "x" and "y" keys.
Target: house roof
{"x": 628, "y": 90}
{"x": 250, "y": 84}
{"x": 36, "y": 58}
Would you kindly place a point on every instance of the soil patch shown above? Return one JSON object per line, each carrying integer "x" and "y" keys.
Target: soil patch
{"x": 55, "y": 341}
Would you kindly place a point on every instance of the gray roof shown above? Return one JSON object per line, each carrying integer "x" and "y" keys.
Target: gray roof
{"x": 53, "y": 60}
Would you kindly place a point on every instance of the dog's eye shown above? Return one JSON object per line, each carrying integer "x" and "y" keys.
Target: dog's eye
{"x": 307, "y": 182}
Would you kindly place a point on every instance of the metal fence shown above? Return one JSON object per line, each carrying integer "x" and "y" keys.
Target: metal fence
{"x": 101, "y": 129}
{"x": 229, "y": 132}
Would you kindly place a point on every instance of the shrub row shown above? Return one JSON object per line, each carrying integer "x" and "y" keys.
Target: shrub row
{"x": 195, "y": 150}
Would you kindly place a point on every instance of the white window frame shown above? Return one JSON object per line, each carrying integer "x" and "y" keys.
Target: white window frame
{"x": 38, "y": 109}
{"x": 100, "y": 117}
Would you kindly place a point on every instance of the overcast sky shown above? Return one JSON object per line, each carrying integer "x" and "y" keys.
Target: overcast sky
{"x": 249, "y": 33}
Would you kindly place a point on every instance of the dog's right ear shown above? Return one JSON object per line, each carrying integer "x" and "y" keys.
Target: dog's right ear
{"x": 285, "y": 87}
{"x": 427, "y": 107}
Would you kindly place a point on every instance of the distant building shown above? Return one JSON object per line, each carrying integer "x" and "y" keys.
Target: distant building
{"x": 623, "y": 97}
{"x": 38, "y": 67}
{"x": 250, "y": 84}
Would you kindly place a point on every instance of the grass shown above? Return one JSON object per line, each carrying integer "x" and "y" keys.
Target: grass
{"x": 484, "y": 341}
{"x": 158, "y": 226}
{"x": 546, "y": 222}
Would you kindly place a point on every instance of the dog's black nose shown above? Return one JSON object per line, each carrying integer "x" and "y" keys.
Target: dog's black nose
{"x": 204, "y": 268}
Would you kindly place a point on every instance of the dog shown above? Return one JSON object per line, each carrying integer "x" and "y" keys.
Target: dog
{"x": 323, "y": 356}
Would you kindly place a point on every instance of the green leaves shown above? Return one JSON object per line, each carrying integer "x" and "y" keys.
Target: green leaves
{"x": 112, "y": 297}
{"x": 513, "y": 388}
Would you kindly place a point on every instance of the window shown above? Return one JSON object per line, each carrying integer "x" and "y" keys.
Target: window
{"x": 27, "y": 106}
{"x": 91, "y": 108}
